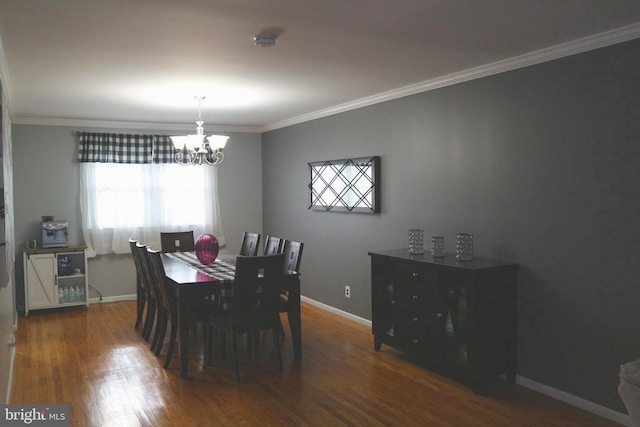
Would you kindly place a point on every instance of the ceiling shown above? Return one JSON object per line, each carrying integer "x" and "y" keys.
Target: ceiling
{"x": 143, "y": 61}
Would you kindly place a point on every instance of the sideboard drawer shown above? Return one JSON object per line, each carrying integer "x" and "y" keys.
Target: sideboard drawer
{"x": 414, "y": 324}
{"x": 415, "y": 296}
{"x": 417, "y": 275}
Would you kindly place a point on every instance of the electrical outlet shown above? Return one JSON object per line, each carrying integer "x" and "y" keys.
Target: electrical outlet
{"x": 347, "y": 291}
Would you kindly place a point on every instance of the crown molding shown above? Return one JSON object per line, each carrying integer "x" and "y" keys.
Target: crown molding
{"x": 574, "y": 47}
{"x": 34, "y": 121}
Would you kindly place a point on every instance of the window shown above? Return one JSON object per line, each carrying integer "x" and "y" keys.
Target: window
{"x": 121, "y": 201}
{"x": 347, "y": 185}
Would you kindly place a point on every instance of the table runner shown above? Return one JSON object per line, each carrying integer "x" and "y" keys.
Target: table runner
{"x": 221, "y": 270}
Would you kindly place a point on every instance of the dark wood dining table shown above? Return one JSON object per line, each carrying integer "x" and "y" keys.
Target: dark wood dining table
{"x": 195, "y": 291}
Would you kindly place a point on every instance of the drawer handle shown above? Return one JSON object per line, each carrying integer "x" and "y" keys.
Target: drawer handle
{"x": 415, "y": 319}
{"x": 415, "y": 341}
{"x": 415, "y": 297}
{"x": 393, "y": 301}
{"x": 440, "y": 315}
{"x": 414, "y": 274}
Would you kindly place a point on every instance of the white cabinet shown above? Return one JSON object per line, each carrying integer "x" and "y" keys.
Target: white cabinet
{"x": 55, "y": 277}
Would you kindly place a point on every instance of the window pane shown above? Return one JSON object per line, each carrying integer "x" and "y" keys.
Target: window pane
{"x": 118, "y": 191}
{"x": 182, "y": 200}
{"x": 129, "y": 195}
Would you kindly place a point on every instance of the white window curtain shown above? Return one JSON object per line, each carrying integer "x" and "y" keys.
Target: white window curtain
{"x": 119, "y": 201}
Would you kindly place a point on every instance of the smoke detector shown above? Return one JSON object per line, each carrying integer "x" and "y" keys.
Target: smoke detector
{"x": 264, "y": 40}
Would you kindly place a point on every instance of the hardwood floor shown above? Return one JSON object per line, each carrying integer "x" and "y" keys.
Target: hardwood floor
{"x": 97, "y": 362}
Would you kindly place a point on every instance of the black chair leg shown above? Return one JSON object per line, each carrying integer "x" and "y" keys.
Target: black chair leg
{"x": 162, "y": 330}
{"x": 158, "y": 329}
{"x": 141, "y": 301}
{"x": 234, "y": 355}
{"x": 172, "y": 342}
{"x": 256, "y": 343}
{"x": 276, "y": 344}
{"x": 148, "y": 323}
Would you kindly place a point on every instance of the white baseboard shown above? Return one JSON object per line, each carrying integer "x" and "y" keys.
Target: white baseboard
{"x": 572, "y": 400}
{"x": 104, "y": 300}
{"x": 562, "y": 396}
{"x": 337, "y": 311}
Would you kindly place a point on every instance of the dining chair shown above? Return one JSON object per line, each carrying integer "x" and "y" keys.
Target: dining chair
{"x": 250, "y": 244}
{"x": 154, "y": 296}
{"x": 141, "y": 291}
{"x": 254, "y": 306}
{"x": 292, "y": 258}
{"x": 168, "y": 307}
{"x": 147, "y": 286}
{"x": 177, "y": 241}
{"x": 273, "y": 245}
{"x": 293, "y": 255}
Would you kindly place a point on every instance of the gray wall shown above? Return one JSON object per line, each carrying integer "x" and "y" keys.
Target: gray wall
{"x": 46, "y": 183}
{"x": 542, "y": 164}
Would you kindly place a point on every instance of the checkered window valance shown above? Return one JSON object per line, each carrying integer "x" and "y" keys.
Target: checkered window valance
{"x": 124, "y": 148}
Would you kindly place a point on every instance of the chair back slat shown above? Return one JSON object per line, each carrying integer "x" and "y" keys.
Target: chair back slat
{"x": 158, "y": 276}
{"x": 177, "y": 241}
{"x": 273, "y": 245}
{"x": 145, "y": 271}
{"x": 138, "y": 264}
{"x": 293, "y": 255}
{"x": 250, "y": 244}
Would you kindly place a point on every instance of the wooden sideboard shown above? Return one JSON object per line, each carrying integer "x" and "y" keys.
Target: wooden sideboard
{"x": 459, "y": 318}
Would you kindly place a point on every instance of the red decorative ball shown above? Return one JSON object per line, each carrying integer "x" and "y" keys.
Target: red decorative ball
{"x": 207, "y": 248}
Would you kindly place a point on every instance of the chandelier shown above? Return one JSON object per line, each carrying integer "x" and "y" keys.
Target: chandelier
{"x": 198, "y": 149}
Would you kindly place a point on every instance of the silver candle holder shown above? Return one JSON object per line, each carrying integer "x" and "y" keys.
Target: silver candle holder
{"x": 464, "y": 247}
{"x": 416, "y": 241}
{"x": 437, "y": 246}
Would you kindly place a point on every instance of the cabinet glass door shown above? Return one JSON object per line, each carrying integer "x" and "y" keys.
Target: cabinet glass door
{"x": 456, "y": 329}
{"x": 71, "y": 278}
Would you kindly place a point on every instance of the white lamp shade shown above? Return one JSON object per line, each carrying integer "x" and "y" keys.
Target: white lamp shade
{"x": 217, "y": 142}
{"x": 191, "y": 141}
